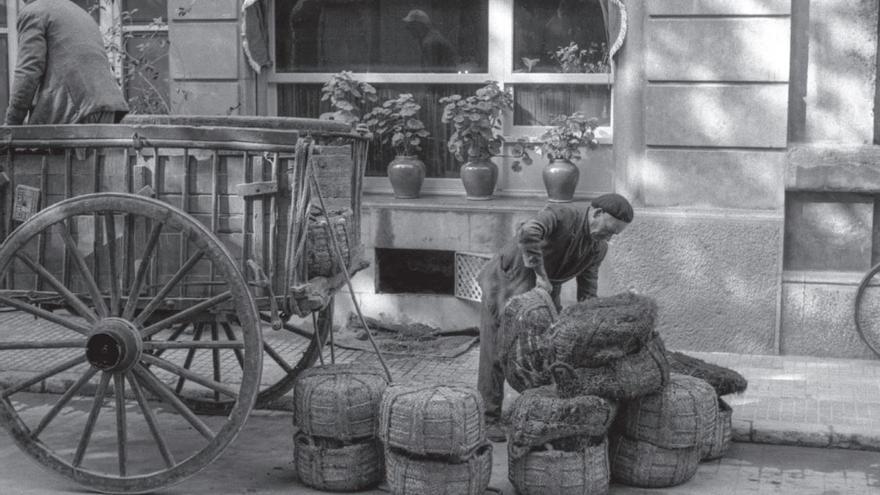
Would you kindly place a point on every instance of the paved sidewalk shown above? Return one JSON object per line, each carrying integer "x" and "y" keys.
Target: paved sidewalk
{"x": 818, "y": 402}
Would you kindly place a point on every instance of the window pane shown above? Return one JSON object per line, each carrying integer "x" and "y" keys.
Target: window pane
{"x": 544, "y": 30}
{"x": 3, "y": 21}
{"x": 303, "y": 100}
{"x": 91, "y": 6}
{"x": 146, "y": 10}
{"x": 146, "y": 72}
{"x": 536, "y": 104}
{"x": 4, "y": 71}
{"x": 382, "y": 36}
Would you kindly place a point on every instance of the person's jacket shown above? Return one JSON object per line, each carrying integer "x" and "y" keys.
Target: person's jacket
{"x": 62, "y": 73}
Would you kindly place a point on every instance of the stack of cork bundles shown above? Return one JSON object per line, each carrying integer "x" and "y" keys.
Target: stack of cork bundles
{"x": 336, "y": 411}
{"x": 435, "y": 440}
{"x": 612, "y": 384}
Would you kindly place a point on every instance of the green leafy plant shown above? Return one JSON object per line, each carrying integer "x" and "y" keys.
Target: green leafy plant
{"x": 573, "y": 59}
{"x": 562, "y": 141}
{"x": 476, "y": 122}
{"x": 348, "y": 97}
{"x": 395, "y": 122}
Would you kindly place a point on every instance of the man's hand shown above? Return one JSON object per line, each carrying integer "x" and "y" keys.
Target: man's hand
{"x": 542, "y": 280}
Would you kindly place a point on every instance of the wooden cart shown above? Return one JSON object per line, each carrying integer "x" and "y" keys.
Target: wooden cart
{"x": 160, "y": 260}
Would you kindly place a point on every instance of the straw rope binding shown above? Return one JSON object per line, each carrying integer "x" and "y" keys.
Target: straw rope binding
{"x": 320, "y": 259}
{"x": 719, "y": 441}
{"x": 408, "y": 475}
{"x": 642, "y": 464}
{"x": 526, "y": 350}
{"x": 543, "y": 472}
{"x": 330, "y": 465}
{"x": 723, "y": 380}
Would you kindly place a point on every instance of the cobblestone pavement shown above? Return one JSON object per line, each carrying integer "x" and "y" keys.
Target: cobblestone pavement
{"x": 792, "y": 400}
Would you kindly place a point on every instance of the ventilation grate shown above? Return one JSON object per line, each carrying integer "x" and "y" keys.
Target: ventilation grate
{"x": 467, "y": 269}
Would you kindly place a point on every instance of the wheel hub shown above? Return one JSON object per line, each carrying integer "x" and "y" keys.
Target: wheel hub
{"x": 115, "y": 345}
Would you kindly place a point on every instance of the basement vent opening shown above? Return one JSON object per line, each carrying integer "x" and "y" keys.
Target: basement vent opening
{"x": 415, "y": 271}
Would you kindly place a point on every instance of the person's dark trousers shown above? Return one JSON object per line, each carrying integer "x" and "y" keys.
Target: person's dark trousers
{"x": 490, "y": 378}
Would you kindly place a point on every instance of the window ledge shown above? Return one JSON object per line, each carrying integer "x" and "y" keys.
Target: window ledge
{"x": 443, "y": 203}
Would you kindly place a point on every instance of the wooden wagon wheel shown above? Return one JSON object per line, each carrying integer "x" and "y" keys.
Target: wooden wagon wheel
{"x": 112, "y": 335}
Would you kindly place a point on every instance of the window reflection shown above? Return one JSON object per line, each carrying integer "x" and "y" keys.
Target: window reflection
{"x": 559, "y": 36}
{"x": 536, "y": 104}
{"x": 440, "y": 36}
{"x": 146, "y": 10}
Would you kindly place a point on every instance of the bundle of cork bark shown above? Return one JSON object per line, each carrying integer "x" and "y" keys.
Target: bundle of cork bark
{"x": 435, "y": 440}
{"x": 336, "y": 414}
{"x": 603, "y": 354}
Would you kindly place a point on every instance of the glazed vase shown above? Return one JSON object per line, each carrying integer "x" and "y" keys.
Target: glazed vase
{"x": 406, "y": 173}
{"x": 479, "y": 178}
{"x": 560, "y": 180}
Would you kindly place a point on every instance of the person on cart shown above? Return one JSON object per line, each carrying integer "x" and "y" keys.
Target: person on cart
{"x": 62, "y": 75}
{"x": 560, "y": 243}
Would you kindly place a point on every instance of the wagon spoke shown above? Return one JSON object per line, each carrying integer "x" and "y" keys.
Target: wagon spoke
{"x": 38, "y": 344}
{"x": 110, "y": 234}
{"x": 154, "y": 345}
{"x": 216, "y": 386}
{"x": 46, "y": 315}
{"x": 186, "y": 314}
{"x": 150, "y": 418}
{"x": 168, "y": 396}
{"x": 204, "y": 344}
{"x": 75, "y": 302}
{"x": 277, "y": 357}
{"x": 66, "y": 365}
{"x": 135, "y": 290}
{"x": 121, "y": 427}
{"x": 159, "y": 298}
{"x": 215, "y": 357}
{"x": 190, "y": 354}
{"x": 287, "y": 326}
{"x": 63, "y": 401}
{"x": 92, "y": 419}
{"x": 227, "y": 329}
{"x": 84, "y": 271}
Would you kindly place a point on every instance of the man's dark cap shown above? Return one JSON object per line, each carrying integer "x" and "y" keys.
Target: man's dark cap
{"x": 615, "y": 205}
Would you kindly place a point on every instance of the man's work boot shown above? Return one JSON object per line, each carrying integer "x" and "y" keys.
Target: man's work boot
{"x": 495, "y": 432}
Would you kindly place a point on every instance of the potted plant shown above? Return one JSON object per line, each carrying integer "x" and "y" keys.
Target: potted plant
{"x": 561, "y": 144}
{"x": 348, "y": 97}
{"x": 395, "y": 122}
{"x": 476, "y": 138}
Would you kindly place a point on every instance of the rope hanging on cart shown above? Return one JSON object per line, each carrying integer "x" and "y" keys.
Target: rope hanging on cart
{"x": 342, "y": 266}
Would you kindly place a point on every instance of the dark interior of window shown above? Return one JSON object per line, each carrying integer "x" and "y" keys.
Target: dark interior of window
{"x": 415, "y": 271}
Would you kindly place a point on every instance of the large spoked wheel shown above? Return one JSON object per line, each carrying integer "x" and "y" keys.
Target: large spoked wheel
{"x": 108, "y": 287}
{"x": 867, "y": 309}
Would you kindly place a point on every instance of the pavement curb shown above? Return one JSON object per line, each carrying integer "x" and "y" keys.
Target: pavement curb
{"x": 804, "y": 435}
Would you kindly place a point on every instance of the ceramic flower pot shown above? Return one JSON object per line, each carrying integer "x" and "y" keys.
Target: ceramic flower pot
{"x": 560, "y": 179}
{"x": 406, "y": 173}
{"x": 479, "y": 178}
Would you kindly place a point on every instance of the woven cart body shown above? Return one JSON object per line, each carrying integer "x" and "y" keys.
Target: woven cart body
{"x": 543, "y": 472}
{"x": 527, "y": 353}
{"x": 638, "y": 463}
{"x": 631, "y": 376}
{"x": 409, "y": 475}
{"x": 432, "y": 420}
{"x": 333, "y": 466}
{"x": 681, "y": 415}
{"x": 539, "y": 416}
{"x": 600, "y": 330}
{"x": 338, "y": 401}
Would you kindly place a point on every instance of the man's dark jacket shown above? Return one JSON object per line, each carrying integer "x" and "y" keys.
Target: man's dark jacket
{"x": 63, "y": 73}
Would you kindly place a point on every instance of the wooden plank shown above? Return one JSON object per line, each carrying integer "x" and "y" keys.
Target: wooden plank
{"x": 712, "y": 49}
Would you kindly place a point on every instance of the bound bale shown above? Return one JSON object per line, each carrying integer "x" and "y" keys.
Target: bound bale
{"x": 632, "y": 376}
{"x": 598, "y": 331}
{"x": 432, "y": 420}
{"x": 338, "y": 401}
{"x": 321, "y": 260}
{"x": 331, "y": 465}
{"x": 719, "y": 441}
{"x": 526, "y": 350}
{"x": 638, "y": 463}
{"x": 723, "y": 380}
{"x": 539, "y": 416}
{"x": 580, "y": 472}
{"x": 681, "y": 415}
{"x": 409, "y": 475}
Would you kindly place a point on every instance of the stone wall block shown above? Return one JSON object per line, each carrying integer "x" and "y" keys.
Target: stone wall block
{"x": 204, "y": 50}
{"x": 187, "y": 10}
{"x": 719, "y": 7}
